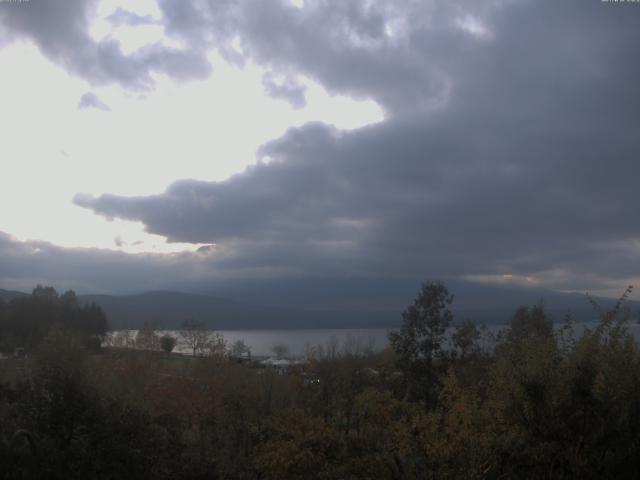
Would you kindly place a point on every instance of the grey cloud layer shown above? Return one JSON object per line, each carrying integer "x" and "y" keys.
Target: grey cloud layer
{"x": 91, "y": 100}
{"x": 287, "y": 89}
{"x": 60, "y": 30}
{"x": 343, "y": 45}
{"x": 529, "y": 166}
{"x": 124, "y": 17}
{"x": 509, "y": 151}
{"x": 25, "y": 264}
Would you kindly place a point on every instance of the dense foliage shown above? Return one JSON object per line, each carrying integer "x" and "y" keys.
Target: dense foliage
{"x": 530, "y": 402}
{"x": 25, "y": 321}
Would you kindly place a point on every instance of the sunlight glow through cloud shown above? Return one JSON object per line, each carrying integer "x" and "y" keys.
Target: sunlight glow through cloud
{"x": 466, "y": 140}
{"x": 473, "y": 26}
{"x": 206, "y": 130}
{"x": 507, "y": 278}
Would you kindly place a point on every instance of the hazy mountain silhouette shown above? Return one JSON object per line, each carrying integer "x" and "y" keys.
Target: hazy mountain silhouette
{"x": 8, "y": 295}
{"x": 271, "y": 309}
{"x": 385, "y": 300}
{"x": 167, "y": 309}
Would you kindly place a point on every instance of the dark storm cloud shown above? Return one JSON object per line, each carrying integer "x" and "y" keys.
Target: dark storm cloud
{"x": 60, "y": 30}
{"x": 512, "y": 151}
{"x": 24, "y": 264}
{"x": 343, "y": 45}
{"x": 91, "y": 100}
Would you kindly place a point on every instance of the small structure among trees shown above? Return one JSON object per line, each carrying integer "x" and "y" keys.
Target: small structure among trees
{"x": 240, "y": 351}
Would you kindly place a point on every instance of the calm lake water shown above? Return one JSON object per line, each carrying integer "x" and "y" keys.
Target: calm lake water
{"x": 299, "y": 342}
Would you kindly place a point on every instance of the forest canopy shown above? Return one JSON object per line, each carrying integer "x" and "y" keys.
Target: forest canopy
{"x": 25, "y": 321}
{"x": 446, "y": 399}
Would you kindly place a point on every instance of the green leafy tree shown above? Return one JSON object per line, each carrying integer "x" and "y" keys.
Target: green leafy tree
{"x": 530, "y": 323}
{"x": 26, "y": 320}
{"x": 418, "y": 344}
{"x": 45, "y": 293}
{"x": 465, "y": 339}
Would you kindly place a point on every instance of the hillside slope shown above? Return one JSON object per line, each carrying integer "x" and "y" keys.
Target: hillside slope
{"x": 490, "y": 304}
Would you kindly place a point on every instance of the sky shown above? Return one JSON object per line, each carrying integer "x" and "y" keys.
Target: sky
{"x": 331, "y": 146}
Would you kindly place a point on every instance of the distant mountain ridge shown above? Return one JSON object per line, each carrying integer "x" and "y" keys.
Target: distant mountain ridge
{"x": 490, "y": 304}
{"x": 8, "y": 295}
{"x": 167, "y": 309}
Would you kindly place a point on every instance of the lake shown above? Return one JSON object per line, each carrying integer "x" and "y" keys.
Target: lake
{"x": 299, "y": 342}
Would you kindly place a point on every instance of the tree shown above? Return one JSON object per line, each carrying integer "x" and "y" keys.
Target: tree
{"x": 216, "y": 346}
{"x": 147, "y": 338}
{"x": 26, "y": 320}
{"x": 45, "y": 293}
{"x": 530, "y": 322}
{"x": 120, "y": 339}
{"x": 69, "y": 299}
{"x": 3, "y": 321}
{"x": 168, "y": 343}
{"x": 195, "y": 335}
{"x": 280, "y": 351}
{"x": 465, "y": 338}
{"x": 240, "y": 349}
{"x": 418, "y": 344}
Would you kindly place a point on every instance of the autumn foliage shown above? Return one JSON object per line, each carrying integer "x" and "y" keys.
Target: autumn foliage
{"x": 446, "y": 400}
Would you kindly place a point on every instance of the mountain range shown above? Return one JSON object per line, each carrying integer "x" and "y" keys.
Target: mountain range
{"x": 489, "y": 304}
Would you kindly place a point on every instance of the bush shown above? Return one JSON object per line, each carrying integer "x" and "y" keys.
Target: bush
{"x": 168, "y": 343}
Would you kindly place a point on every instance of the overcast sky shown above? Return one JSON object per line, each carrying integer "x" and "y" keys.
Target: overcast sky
{"x": 200, "y": 144}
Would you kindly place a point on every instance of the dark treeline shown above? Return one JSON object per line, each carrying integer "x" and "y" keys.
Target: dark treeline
{"x": 532, "y": 402}
{"x": 24, "y": 321}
